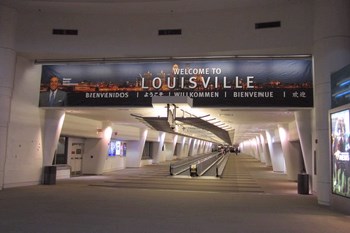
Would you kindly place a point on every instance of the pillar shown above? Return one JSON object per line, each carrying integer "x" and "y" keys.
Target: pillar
{"x": 182, "y": 147}
{"x": 158, "y": 155}
{"x": 275, "y": 149}
{"x": 7, "y": 66}
{"x": 261, "y": 153}
{"x": 303, "y": 122}
{"x": 52, "y": 130}
{"x": 291, "y": 154}
{"x": 173, "y": 149}
{"x": 265, "y": 150}
{"x": 135, "y": 150}
{"x": 191, "y": 142}
{"x": 331, "y": 51}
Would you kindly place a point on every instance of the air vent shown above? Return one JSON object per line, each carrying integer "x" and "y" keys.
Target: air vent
{"x": 274, "y": 24}
{"x": 68, "y": 32}
{"x": 169, "y": 32}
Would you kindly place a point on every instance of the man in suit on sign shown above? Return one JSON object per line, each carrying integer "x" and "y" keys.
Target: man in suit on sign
{"x": 53, "y": 97}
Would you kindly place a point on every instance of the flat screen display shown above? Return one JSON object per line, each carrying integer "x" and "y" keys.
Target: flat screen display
{"x": 340, "y": 152}
{"x": 112, "y": 148}
{"x": 116, "y": 148}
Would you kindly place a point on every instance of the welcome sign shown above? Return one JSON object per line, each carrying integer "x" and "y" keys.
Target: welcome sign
{"x": 210, "y": 83}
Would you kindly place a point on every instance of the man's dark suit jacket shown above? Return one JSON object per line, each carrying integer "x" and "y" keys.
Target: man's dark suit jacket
{"x": 60, "y": 99}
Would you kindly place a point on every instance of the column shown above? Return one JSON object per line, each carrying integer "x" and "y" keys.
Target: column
{"x": 260, "y": 146}
{"x": 186, "y": 146}
{"x": 52, "y": 130}
{"x": 276, "y": 153}
{"x": 265, "y": 150}
{"x": 173, "y": 149}
{"x": 331, "y": 51}
{"x": 303, "y": 122}
{"x": 255, "y": 148}
{"x": 201, "y": 147}
{"x": 135, "y": 150}
{"x": 191, "y": 143}
{"x": 7, "y": 66}
{"x": 290, "y": 153}
{"x": 182, "y": 147}
{"x": 158, "y": 155}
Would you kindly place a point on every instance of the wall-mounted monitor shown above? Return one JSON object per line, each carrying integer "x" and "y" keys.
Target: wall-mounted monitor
{"x": 340, "y": 150}
{"x": 112, "y": 148}
{"x": 116, "y": 148}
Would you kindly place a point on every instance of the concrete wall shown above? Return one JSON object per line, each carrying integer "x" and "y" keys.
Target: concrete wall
{"x": 24, "y": 160}
{"x": 114, "y": 35}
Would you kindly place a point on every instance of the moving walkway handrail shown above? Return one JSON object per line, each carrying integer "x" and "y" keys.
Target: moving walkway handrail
{"x": 211, "y": 165}
{"x": 220, "y": 166}
{"x": 182, "y": 166}
{"x": 201, "y": 166}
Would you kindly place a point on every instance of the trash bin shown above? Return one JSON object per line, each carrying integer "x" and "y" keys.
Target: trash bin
{"x": 50, "y": 175}
{"x": 303, "y": 183}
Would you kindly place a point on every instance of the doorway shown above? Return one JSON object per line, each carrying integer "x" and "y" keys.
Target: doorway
{"x": 75, "y": 155}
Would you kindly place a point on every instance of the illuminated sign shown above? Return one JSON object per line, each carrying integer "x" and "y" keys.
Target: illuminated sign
{"x": 340, "y": 87}
{"x": 340, "y": 148}
{"x": 116, "y": 148}
{"x": 251, "y": 82}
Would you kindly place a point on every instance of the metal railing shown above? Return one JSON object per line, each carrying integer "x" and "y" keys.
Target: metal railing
{"x": 200, "y": 165}
{"x": 183, "y": 165}
{"x": 220, "y": 165}
{"x": 203, "y": 165}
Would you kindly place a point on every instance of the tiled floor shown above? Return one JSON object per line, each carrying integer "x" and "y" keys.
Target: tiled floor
{"x": 250, "y": 198}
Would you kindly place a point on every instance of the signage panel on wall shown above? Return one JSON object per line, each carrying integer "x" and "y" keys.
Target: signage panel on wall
{"x": 116, "y": 148}
{"x": 340, "y": 131}
{"x": 210, "y": 83}
{"x": 340, "y": 148}
{"x": 340, "y": 87}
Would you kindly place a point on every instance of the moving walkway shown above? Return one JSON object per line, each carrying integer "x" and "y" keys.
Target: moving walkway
{"x": 211, "y": 164}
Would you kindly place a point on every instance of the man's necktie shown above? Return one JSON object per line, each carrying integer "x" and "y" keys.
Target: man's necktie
{"x": 52, "y": 98}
